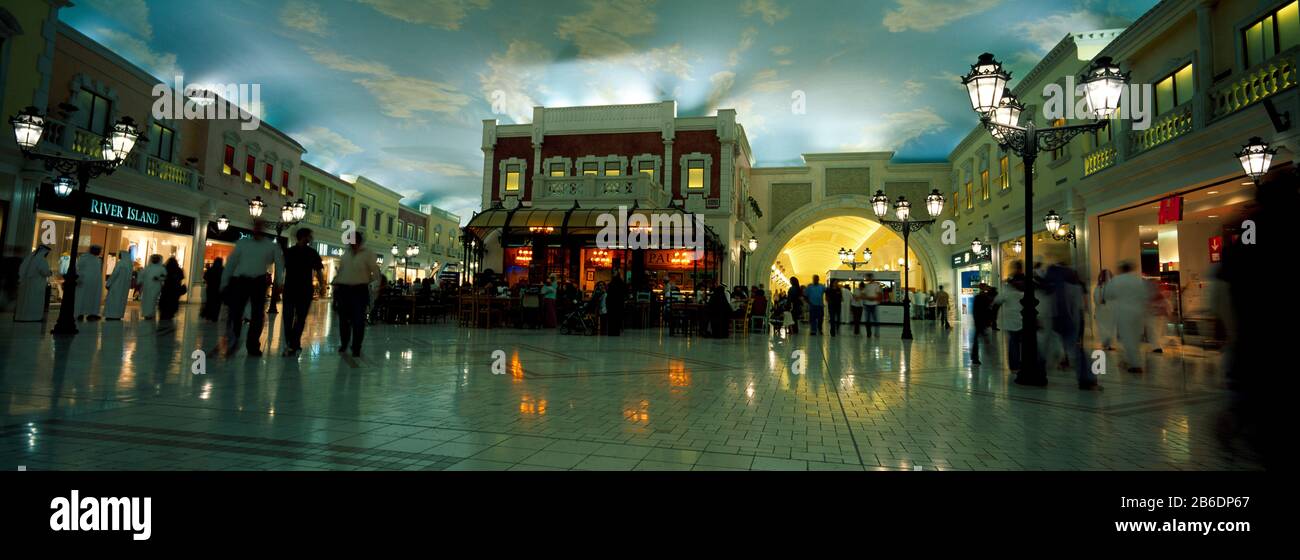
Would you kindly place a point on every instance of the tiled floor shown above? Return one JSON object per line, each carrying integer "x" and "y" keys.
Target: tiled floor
{"x": 124, "y": 396}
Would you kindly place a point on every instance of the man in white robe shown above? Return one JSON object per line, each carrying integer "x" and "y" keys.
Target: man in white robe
{"x": 151, "y": 281}
{"x": 1130, "y": 297}
{"x": 33, "y": 277}
{"x": 119, "y": 288}
{"x": 90, "y": 284}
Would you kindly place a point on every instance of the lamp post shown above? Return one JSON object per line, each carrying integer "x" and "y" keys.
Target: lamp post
{"x": 905, "y": 225}
{"x": 29, "y": 126}
{"x": 846, "y": 258}
{"x": 290, "y": 213}
{"x": 1256, "y": 157}
{"x": 999, "y": 111}
{"x": 411, "y": 252}
{"x": 1059, "y": 232}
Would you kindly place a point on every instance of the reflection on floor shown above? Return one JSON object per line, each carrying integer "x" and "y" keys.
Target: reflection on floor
{"x": 125, "y": 395}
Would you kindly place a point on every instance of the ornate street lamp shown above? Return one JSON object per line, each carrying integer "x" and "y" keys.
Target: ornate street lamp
{"x": 176, "y": 222}
{"x": 846, "y": 258}
{"x": 753, "y": 244}
{"x": 287, "y": 216}
{"x": 906, "y": 226}
{"x": 394, "y": 250}
{"x": 29, "y": 127}
{"x": 977, "y": 246}
{"x": 1256, "y": 157}
{"x": 1018, "y": 246}
{"x": 299, "y": 210}
{"x": 64, "y": 185}
{"x": 223, "y": 223}
{"x": 985, "y": 83}
{"x": 256, "y": 206}
{"x": 1103, "y": 84}
{"x": 1007, "y": 113}
{"x": 1059, "y": 232}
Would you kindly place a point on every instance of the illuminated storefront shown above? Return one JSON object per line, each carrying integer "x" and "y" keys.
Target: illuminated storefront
{"x": 114, "y": 225}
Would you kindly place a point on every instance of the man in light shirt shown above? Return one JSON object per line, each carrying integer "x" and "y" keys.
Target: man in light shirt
{"x": 357, "y": 269}
{"x": 872, "y": 293}
{"x": 244, "y": 282}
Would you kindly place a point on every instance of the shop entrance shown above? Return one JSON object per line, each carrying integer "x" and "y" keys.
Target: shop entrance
{"x": 1177, "y": 250}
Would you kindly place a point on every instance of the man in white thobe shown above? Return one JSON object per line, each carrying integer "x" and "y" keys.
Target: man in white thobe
{"x": 1129, "y": 297}
{"x": 119, "y": 288}
{"x": 33, "y": 277}
{"x": 151, "y": 281}
{"x": 90, "y": 284}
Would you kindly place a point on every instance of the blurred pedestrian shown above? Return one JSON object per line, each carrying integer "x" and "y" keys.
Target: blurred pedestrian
{"x": 119, "y": 288}
{"x": 1009, "y": 303}
{"x": 90, "y": 284}
{"x": 301, "y": 264}
{"x": 834, "y": 305}
{"x": 1130, "y": 298}
{"x": 151, "y": 282}
{"x": 212, "y": 290}
{"x": 982, "y": 318}
{"x": 1103, "y": 314}
{"x": 1067, "y": 292}
{"x": 33, "y": 280}
{"x": 173, "y": 287}
{"x": 244, "y": 282}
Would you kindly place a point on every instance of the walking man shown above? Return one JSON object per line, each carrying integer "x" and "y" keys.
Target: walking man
{"x": 301, "y": 263}
{"x": 872, "y": 293}
{"x": 244, "y": 283}
{"x": 835, "y": 303}
{"x": 816, "y": 294}
{"x": 357, "y": 269}
{"x": 941, "y": 307}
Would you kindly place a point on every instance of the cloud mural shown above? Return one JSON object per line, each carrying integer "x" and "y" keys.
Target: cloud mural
{"x": 396, "y": 89}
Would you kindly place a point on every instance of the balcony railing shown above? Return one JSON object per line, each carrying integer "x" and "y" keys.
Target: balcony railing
{"x": 1166, "y": 128}
{"x": 72, "y": 139}
{"x": 1270, "y": 77}
{"x": 598, "y": 190}
{"x": 1099, "y": 159}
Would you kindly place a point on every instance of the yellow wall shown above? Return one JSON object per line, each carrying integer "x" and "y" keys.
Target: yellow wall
{"x": 22, "y": 76}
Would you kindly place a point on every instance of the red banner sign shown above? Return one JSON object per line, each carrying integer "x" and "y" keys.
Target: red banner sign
{"x": 1171, "y": 210}
{"x": 1216, "y": 248}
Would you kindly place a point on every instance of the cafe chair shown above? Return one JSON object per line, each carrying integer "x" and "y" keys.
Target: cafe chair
{"x": 739, "y": 324}
{"x": 531, "y": 310}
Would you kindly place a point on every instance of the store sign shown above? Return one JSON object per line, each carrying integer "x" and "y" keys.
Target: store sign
{"x": 232, "y": 234}
{"x": 325, "y": 249}
{"x": 1171, "y": 210}
{"x": 968, "y": 257}
{"x": 669, "y": 258}
{"x": 1216, "y": 248}
{"x": 95, "y": 207}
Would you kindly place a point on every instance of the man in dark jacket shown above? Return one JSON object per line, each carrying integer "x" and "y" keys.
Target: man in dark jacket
{"x": 614, "y": 297}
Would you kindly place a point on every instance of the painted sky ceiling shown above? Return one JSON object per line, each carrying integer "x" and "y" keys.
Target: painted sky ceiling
{"x": 396, "y": 89}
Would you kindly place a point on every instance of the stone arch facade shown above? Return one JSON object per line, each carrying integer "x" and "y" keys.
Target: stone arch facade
{"x": 924, "y": 243}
